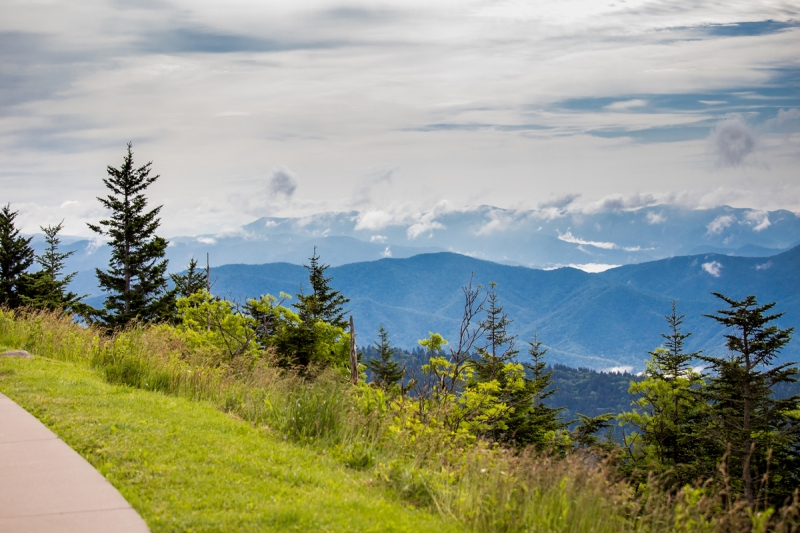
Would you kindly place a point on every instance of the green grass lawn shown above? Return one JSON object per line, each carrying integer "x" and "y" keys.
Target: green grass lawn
{"x": 185, "y": 466}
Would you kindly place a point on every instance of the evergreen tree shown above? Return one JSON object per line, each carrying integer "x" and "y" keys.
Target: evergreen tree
{"x": 745, "y": 417}
{"x": 16, "y": 256}
{"x": 385, "y": 370}
{"x": 499, "y": 348}
{"x": 543, "y": 421}
{"x": 324, "y": 303}
{"x": 192, "y": 281}
{"x": 667, "y": 412}
{"x": 136, "y": 279}
{"x": 47, "y": 288}
{"x": 523, "y": 418}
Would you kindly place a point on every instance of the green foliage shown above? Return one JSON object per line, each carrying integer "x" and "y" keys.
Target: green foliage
{"x": 324, "y": 303}
{"x": 385, "y": 370}
{"x": 192, "y": 281}
{"x": 667, "y": 412}
{"x": 136, "y": 279}
{"x": 744, "y": 416}
{"x": 47, "y": 288}
{"x": 473, "y": 484}
{"x": 317, "y": 337}
{"x": 585, "y": 433}
{"x": 16, "y": 256}
{"x": 213, "y": 322}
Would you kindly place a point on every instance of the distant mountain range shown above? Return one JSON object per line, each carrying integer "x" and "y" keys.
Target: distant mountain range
{"x": 396, "y": 272}
{"x": 606, "y": 320}
{"x": 548, "y": 237}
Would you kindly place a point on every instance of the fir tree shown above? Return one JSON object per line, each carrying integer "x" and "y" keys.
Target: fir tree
{"x": 47, "y": 288}
{"x": 667, "y": 412}
{"x": 136, "y": 279}
{"x": 543, "y": 421}
{"x": 324, "y": 303}
{"x": 16, "y": 256}
{"x": 386, "y": 371}
{"x": 499, "y": 348}
{"x": 192, "y": 281}
{"x": 745, "y": 417}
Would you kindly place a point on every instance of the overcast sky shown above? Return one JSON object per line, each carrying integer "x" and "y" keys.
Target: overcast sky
{"x": 250, "y": 108}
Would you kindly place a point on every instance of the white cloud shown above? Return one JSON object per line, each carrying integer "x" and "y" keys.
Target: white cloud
{"x": 758, "y": 219}
{"x": 426, "y": 225}
{"x": 618, "y": 369}
{"x": 207, "y": 240}
{"x": 719, "y": 224}
{"x": 655, "y": 218}
{"x": 626, "y": 105}
{"x": 94, "y": 244}
{"x": 714, "y": 268}
{"x": 499, "y": 220}
{"x": 570, "y": 238}
{"x": 619, "y": 202}
{"x": 378, "y": 238}
{"x": 387, "y": 252}
{"x": 764, "y": 266}
{"x": 375, "y": 220}
{"x": 593, "y": 268}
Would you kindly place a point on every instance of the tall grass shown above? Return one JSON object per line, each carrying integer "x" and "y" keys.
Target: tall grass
{"x": 484, "y": 488}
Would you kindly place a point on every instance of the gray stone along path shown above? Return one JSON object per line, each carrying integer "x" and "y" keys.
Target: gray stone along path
{"x": 46, "y": 487}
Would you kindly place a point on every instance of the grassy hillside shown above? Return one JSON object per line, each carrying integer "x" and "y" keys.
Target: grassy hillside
{"x": 186, "y": 466}
{"x": 199, "y": 443}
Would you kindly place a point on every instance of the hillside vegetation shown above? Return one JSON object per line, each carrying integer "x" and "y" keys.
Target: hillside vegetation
{"x": 596, "y": 321}
{"x": 149, "y": 428}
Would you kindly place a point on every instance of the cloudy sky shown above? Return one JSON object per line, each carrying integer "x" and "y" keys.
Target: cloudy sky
{"x": 250, "y": 108}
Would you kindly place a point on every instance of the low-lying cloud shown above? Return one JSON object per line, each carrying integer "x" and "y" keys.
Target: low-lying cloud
{"x": 714, "y": 268}
{"x": 719, "y": 224}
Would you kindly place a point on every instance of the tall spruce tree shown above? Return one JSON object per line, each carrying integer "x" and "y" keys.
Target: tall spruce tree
{"x": 323, "y": 303}
{"x": 543, "y": 421}
{"x": 667, "y": 412}
{"x": 47, "y": 288}
{"x": 499, "y": 347}
{"x": 16, "y": 256}
{"x": 386, "y": 371}
{"x": 744, "y": 415}
{"x": 136, "y": 280}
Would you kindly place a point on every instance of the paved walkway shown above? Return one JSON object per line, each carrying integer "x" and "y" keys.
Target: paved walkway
{"x": 45, "y": 486}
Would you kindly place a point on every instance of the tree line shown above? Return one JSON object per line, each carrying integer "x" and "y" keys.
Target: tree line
{"x": 724, "y": 423}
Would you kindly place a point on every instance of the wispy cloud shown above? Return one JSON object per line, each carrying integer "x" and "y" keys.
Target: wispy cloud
{"x": 626, "y": 105}
{"x": 719, "y": 224}
{"x": 714, "y": 268}
{"x": 758, "y": 219}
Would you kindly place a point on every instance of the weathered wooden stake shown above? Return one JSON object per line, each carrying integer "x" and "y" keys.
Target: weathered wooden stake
{"x": 353, "y": 354}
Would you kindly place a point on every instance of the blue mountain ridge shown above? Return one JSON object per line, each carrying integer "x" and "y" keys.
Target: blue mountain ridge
{"x": 601, "y": 321}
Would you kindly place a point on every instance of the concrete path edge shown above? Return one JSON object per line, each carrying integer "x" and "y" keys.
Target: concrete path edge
{"x": 47, "y": 487}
